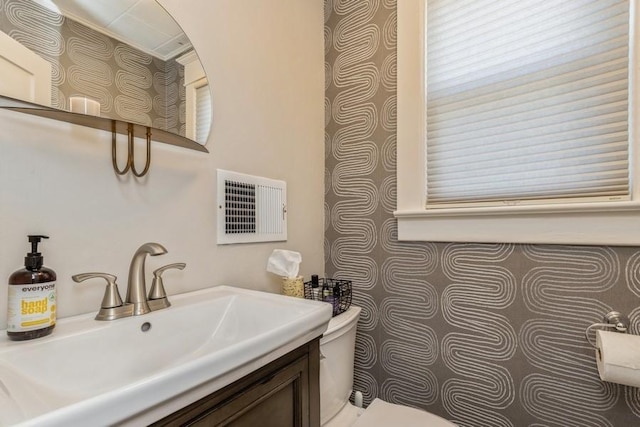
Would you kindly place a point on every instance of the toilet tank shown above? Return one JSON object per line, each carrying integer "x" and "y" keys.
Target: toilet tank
{"x": 337, "y": 349}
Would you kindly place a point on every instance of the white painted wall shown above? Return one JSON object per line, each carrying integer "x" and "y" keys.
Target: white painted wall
{"x": 265, "y": 63}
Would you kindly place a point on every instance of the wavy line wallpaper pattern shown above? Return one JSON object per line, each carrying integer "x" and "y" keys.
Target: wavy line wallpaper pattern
{"x": 129, "y": 84}
{"x": 481, "y": 334}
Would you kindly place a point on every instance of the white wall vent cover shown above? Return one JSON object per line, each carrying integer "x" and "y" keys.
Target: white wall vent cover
{"x": 251, "y": 209}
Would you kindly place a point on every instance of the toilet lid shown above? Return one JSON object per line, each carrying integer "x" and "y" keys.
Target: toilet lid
{"x": 384, "y": 414}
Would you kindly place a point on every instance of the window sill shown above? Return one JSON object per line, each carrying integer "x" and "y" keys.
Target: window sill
{"x": 579, "y": 224}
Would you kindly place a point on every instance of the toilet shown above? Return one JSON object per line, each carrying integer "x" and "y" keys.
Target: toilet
{"x": 337, "y": 348}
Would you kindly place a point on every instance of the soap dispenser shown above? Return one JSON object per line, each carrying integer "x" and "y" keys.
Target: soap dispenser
{"x": 32, "y": 297}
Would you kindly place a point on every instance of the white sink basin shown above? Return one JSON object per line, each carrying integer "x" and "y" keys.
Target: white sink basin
{"x": 100, "y": 373}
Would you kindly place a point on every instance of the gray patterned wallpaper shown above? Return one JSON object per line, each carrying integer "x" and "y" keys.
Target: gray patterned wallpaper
{"x": 481, "y": 334}
{"x": 129, "y": 84}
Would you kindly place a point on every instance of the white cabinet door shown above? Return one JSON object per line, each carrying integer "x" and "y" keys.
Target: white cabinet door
{"x": 25, "y": 75}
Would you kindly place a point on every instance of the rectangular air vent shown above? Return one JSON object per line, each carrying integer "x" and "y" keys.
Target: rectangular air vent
{"x": 251, "y": 208}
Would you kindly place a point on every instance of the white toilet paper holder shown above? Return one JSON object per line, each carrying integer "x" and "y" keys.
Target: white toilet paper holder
{"x": 612, "y": 320}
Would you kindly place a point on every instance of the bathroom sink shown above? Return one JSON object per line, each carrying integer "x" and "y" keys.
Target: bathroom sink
{"x": 101, "y": 373}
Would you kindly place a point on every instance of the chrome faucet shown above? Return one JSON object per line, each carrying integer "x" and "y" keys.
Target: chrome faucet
{"x": 136, "y": 302}
{"x": 137, "y": 287}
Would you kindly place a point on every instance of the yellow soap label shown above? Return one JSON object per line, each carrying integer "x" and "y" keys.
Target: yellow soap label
{"x": 31, "y": 307}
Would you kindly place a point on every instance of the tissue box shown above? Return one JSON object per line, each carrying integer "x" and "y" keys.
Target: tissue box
{"x": 293, "y": 287}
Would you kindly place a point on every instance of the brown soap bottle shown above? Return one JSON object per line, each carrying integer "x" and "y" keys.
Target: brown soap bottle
{"x": 32, "y": 297}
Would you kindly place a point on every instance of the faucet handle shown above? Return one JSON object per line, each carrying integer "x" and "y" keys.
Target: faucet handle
{"x": 157, "y": 286}
{"x": 111, "y": 297}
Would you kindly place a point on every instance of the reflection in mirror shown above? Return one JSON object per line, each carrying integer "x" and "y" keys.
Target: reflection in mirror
{"x": 126, "y": 60}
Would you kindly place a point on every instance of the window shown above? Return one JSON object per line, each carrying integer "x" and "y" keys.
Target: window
{"x": 513, "y": 122}
{"x": 198, "y": 98}
{"x": 203, "y": 111}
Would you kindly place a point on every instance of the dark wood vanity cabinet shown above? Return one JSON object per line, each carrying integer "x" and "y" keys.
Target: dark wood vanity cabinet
{"x": 284, "y": 393}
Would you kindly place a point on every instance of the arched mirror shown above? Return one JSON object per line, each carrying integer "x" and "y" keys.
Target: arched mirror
{"x": 126, "y": 60}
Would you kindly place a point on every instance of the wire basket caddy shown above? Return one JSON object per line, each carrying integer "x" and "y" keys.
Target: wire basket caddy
{"x": 339, "y": 294}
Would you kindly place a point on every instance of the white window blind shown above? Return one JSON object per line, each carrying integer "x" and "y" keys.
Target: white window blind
{"x": 527, "y": 100}
{"x": 203, "y": 113}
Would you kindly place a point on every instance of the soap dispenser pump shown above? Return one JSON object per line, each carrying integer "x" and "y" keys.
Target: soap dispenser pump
{"x": 32, "y": 297}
